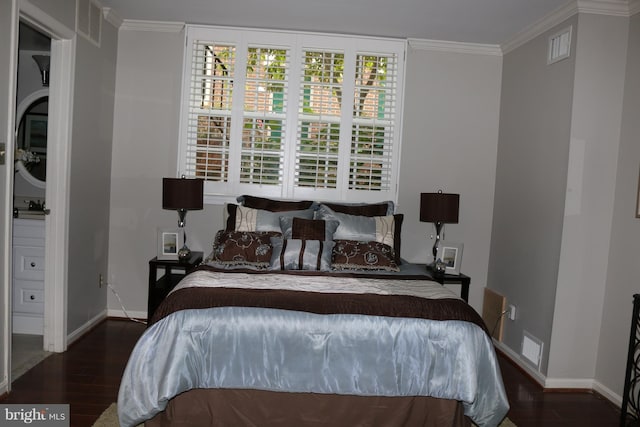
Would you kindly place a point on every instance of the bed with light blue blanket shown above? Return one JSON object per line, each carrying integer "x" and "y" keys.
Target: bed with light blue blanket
{"x": 272, "y": 344}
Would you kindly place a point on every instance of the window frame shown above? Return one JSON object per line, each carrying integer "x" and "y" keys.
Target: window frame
{"x": 297, "y": 43}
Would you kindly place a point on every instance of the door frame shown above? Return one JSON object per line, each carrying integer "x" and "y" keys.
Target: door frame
{"x": 7, "y": 224}
{"x": 63, "y": 46}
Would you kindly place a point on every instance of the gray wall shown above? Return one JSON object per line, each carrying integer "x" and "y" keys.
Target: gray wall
{"x": 533, "y": 150}
{"x": 595, "y": 125}
{"x": 450, "y": 137}
{"x": 563, "y": 239}
{"x": 623, "y": 270}
{"x": 90, "y": 175}
{"x": 145, "y": 150}
{"x": 63, "y": 11}
{"x": 450, "y": 143}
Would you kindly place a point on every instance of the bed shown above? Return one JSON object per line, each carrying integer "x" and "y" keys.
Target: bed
{"x": 293, "y": 321}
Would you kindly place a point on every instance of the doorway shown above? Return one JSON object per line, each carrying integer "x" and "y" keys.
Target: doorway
{"x": 29, "y": 193}
{"x": 58, "y": 128}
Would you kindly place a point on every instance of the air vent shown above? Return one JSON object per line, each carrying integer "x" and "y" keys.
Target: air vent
{"x": 89, "y": 20}
{"x": 532, "y": 349}
{"x": 559, "y": 46}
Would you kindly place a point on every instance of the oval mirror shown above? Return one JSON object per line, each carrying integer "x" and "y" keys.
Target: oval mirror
{"x": 31, "y": 138}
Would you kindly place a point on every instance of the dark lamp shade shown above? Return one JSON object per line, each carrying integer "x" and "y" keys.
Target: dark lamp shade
{"x": 182, "y": 193}
{"x": 439, "y": 207}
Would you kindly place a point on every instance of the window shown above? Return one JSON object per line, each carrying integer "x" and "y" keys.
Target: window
{"x": 291, "y": 115}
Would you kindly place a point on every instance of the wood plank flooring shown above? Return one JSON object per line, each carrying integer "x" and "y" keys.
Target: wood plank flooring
{"x": 531, "y": 406}
{"x": 87, "y": 377}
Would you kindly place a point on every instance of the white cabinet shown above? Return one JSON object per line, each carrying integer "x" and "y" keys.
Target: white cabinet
{"x": 28, "y": 276}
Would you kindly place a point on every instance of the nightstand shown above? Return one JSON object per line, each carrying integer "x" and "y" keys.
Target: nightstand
{"x": 174, "y": 271}
{"x": 445, "y": 279}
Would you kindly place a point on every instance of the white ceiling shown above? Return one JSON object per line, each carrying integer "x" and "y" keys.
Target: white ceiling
{"x": 471, "y": 21}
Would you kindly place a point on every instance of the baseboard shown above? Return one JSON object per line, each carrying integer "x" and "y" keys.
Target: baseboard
{"x": 524, "y": 366}
{"x": 127, "y": 315}
{"x": 607, "y": 393}
{"x": 559, "y": 384}
{"x": 569, "y": 384}
{"x": 73, "y": 336}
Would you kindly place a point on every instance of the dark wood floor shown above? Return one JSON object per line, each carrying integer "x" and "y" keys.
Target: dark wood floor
{"x": 87, "y": 377}
{"x": 531, "y": 406}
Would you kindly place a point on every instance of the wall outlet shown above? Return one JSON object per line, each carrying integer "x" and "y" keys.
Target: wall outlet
{"x": 512, "y": 312}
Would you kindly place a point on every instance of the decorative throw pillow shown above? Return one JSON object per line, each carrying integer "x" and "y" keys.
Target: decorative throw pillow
{"x": 307, "y": 229}
{"x": 363, "y": 209}
{"x": 298, "y": 254}
{"x": 383, "y": 229}
{"x": 248, "y": 219}
{"x": 353, "y": 255}
{"x": 242, "y": 248}
{"x": 274, "y": 205}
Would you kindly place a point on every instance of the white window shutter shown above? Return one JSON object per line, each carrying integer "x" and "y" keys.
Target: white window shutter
{"x": 210, "y": 117}
{"x": 291, "y": 115}
{"x": 264, "y": 121}
{"x": 374, "y": 113}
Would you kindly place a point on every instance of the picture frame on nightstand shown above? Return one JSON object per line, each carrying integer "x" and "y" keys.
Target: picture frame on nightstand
{"x": 451, "y": 256}
{"x": 170, "y": 240}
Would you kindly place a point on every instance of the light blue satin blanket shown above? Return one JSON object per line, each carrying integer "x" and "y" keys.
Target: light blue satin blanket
{"x": 292, "y": 351}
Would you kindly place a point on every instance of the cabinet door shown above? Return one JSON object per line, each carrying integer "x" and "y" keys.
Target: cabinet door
{"x": 28, "y": 296}
{"x": 28, "y": 232}
{"x": 28, "y": 263}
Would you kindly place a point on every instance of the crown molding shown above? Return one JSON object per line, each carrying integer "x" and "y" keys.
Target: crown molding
{"x": 541, "y": 26}
{"x": 111, "y": 17}
{"x": 157, "y": 26}
{"x": 623, "y": 8}
{"x": 604, "y": 7}
{"x": 455, "y": 47}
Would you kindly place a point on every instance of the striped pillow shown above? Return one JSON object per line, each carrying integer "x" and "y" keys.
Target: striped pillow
{"x": 298, "y": 254}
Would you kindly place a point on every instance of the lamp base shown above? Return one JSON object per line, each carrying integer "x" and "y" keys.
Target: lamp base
{"x": 437, "y": 267}
{"x": 184, "y": 253}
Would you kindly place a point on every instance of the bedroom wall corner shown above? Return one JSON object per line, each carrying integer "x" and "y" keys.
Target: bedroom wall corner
{"x": 623, "y": 267}
{"x": 533, "y": 147}
{"x": 601, "y": 55}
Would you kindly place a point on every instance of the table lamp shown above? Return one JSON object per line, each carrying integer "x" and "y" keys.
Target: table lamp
{"x": 440, "y": 209}
{"x": 182, "y": 194}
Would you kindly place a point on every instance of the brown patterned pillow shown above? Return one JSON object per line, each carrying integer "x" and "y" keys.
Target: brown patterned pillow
{"x": 385, "y": 229}
{"x": 243, "y": 248}
{"x": 354, "y": 255}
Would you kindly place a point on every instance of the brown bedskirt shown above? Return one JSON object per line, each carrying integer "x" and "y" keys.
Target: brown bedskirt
{"x": 236, "y": 407}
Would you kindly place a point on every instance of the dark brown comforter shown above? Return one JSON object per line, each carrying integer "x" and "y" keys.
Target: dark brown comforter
{"x": 318, "y": 302}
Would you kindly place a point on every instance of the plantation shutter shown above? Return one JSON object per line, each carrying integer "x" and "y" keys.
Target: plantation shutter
{"x": 291, "y": 115}
{"x": 264, "y": 121}
{"x": 373, "y": 128}
{"x": 210, "y": 110}
{"x": 319, "y": 113}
